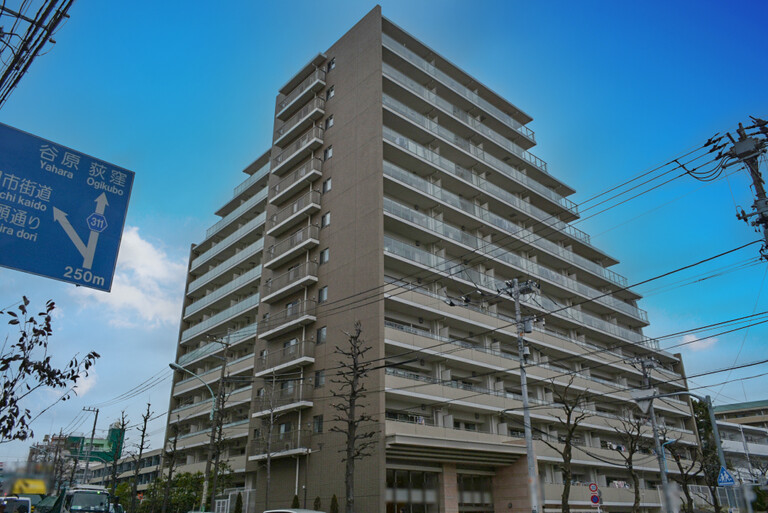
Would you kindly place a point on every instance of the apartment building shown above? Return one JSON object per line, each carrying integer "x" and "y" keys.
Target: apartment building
{"x": 403, "y": 193}
{"x": 746, "y": 451}
{"x": 149, "y": 469}
{"x": 751, "y": 413}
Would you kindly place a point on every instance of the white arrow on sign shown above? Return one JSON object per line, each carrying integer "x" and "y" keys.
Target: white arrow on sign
{"x": 88, "y": 251}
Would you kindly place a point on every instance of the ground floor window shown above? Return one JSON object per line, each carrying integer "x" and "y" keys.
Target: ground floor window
{"x": 475, "y": 494}
{"x": 412, "y": 491}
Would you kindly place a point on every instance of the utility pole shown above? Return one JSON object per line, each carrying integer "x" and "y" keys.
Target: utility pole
{"x": 747, "y": 150}
{"x": 515, "y": 289}
{"x": 90, "y": 446}
{"x": 217, "y": 416}
{"x": 171, "y": 455}
{"x": 647, "y": 364}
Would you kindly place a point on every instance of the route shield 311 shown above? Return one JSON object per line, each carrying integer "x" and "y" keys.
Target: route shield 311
{"x": 61, "y": 211}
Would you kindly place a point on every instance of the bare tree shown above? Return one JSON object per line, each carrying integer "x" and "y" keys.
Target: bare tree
{"x": 632, "y": 432}
{"x": 170, "y": 456}
{"x": 690, "y": 471}
{"x": 143, "y": 444}
{"x": 26, "y": 366}
{"x": 350, "y": 393}
{"x": 117, "y": 449}
{"x": 568, "y": 422}
{"x": 269, "y": 402}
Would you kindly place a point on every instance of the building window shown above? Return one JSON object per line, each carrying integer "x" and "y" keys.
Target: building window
{"x": 331, "y": 64}
{"x": 317, "y": 424}
{"x": 322, "y": 294}
{"x": 329, "y": 122}
{"x": 319, "y": 379}
{"x": 328, "y": 153}
{"x": 327, "y": 185}
{"x": 321, "y": 334}
{"x": 324, "y": 255}
{"x": 330, "y": 93}
{"x": 325, "y": 220}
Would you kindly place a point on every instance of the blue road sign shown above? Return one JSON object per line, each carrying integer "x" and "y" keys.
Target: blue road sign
{"x": 724, "y": 478}
{"x": 61, "y": 211}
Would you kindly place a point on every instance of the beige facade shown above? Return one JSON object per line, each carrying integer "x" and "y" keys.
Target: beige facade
{"x": 753, "y": 413}
{"x": 400, "y": 192}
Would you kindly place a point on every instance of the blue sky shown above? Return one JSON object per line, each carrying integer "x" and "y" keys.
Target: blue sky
{"x": 182, "y": 93}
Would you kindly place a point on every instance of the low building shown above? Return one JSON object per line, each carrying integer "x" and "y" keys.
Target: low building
{"x": 149, "y": 468}
{"x": 746, "y": 451}
{"x": 752, "y": 413}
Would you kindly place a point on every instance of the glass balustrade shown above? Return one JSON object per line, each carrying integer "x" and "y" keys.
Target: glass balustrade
{"x": 226, "y": 265}
{"x": 220, "y": 317}
{"x": 229, "y": 240}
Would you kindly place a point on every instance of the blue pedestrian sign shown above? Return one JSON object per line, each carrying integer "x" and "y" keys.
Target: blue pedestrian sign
{"x": 61, "y": 211}
{"x": 725, "y": 478}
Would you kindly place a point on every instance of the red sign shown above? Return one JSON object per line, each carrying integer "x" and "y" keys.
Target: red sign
{"x": 593, "y": 487}
{"x": 595, "y": 499}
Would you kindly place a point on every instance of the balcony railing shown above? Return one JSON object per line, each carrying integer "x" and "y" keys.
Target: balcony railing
{"x": 285, "y": 249}
{"x": 314, "y": 81}
{"x": 221, "y": 292}
{"x": 306, "y": 173}
{"x": 291, "y": 441}
{"x": 236, "y": 213}
{"x": 481, "y": 155}
{"x": 283, "y": 395}
{"x": 221, "y": 317}
{"x": 214, "y": 347}
{"x": 457, "y": 87}
{"x": 284, "y": 284}
{"x": 503, "y": 254}
{"x": 229, "y": 240}
{"x": 492, "y": 285}
{"x": 227, "y": 265}
{"x": 304, "y": 350}
{"x": 290, "y": 215}
{"x": 463, "y": 115}
{"x": 255, "y": 177}
{"x": 313, "y": 110}
{"x": 308, "y": 141}
{"x": 301, "y": 312}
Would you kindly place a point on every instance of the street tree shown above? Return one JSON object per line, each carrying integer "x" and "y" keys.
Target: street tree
{"x": 632, "y": 431}
{"x": 26, "y": 366}
{"x": 117, "y": 449}
{"x": 571, "y": 403}
{"x": 710, "y": 462}
{"x": 169, "y": 455}
{"x": 689, "y": 468}
{"x": 269, "y": 402}
{"x": 350, "y": 420}
{"x": 143, "y": 445}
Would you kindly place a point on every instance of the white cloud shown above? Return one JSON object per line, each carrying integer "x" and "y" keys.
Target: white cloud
{"x": 86, "y": 383}
{"x": 695, "y": 344}
{"x": 147, "y": 289}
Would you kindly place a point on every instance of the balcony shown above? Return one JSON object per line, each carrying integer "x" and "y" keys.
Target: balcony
{"x": 229, "y": 240}
{"x": 236, "y": 213}
{"x": 612, "y": 496}
{"x": 441, "y": 195}
{"x": 280, "y": 445}
{"x": 227, "y": 265}
{"x": 296, "y": 278}
{"x": 288, "y": 248}
{"x": 295, "y": 315}
{"x": 234, "y": 338}
{"x": 528, "y": 183}
{"x": 210, "y": 376}
{"x": 300, "y": 94}
{"x": 425, "y": 94}
{"x": 249, "y": 183}
{"x": 285, "y": 396}
{"x": 225, "y": 315}
{"x": 306, "y": 174}
{"x": 243, "y": 280}
{"x": 298, "y": 150}
{"x": 294, "y": 355}
{"x": 457, "y": 87}
{"x": 473, "y": 278}
{"x": 294, "y": 213}
{"x": 299, "y": 121}
{"x": 502, "y": 254}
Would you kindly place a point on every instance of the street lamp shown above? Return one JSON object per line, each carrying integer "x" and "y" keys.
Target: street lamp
{"x": 176, "y": 366}
{"x": 206, "y": 476}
